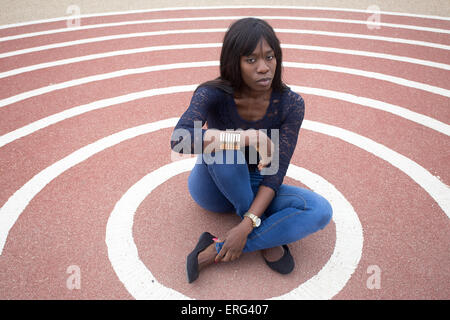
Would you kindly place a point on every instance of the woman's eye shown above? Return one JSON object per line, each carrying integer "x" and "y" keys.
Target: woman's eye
{"x": 270, "y": 57}
{"x": 251, "y": 60}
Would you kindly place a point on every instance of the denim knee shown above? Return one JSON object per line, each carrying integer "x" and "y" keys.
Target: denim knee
{"x": 316, "y": 216}
{"x": 205, "y": 193}
{"x": 318, "y": 213}
{"x": 224, "y": 157}
{"x": 324, "y": 212}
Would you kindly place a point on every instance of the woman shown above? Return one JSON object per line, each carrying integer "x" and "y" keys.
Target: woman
{"x": 248, "y": 108}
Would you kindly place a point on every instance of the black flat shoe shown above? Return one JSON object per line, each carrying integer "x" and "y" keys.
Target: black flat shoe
{"x": 285, "y": 264}
{"x": 192, "y": 262}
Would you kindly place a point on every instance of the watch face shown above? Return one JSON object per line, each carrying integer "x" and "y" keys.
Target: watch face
{"x": 258, "y": 222}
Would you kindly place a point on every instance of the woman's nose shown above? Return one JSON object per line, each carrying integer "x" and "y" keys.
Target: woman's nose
{"x": 262, "y": 67}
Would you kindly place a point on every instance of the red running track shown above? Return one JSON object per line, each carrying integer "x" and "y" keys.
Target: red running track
{"x": 405, "y": 230}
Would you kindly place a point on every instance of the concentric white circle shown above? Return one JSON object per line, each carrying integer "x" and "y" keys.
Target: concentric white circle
{"x": 141, "y": 284}
{"x": 335, "y": 274}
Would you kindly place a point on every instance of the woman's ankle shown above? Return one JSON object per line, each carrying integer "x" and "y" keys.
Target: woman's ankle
{"x": 206, "y": 257}
{"x": 273, "y": 254}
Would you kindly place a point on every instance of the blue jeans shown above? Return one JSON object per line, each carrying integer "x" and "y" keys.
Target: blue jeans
{"x": 293, "y": 213}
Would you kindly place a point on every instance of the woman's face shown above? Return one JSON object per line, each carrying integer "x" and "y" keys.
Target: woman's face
{"x": 258, "y": 69}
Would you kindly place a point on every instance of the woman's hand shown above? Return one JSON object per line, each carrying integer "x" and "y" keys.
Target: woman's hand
{"x": 263, "y": 144}
{"x": 235, "y": 241}
{"x": 265, "y": 149}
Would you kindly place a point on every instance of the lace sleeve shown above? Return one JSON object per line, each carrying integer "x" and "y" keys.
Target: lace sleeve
{"x": 187, "y": 136}
{"x": 288, "y": 136}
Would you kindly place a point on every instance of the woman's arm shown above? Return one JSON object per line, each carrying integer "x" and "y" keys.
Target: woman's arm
{"x": 262, "y": 200}
{"x": 189, "y": 137}
{"x": 288, "y": 136}
{"x": 236, "y": 238}
{"x": 251, "y": 137}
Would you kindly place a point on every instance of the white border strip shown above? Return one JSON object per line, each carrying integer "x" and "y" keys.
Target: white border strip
{"x": 141, "y": 284}
{"x": 126, "y": 72}
{"x": 369, "y": 54}
{"x": 230, "y": 18}
{"x": 217, "y": 30}
{"x": 104, "y": 14}
{"x": 379, "y": 105}
{"x": 438, "y": 190}
{"x": 369, "y": 74}
{"x": 102, "y": 55}
{"x": 104, "y": 103}
{"x": 16, "y": 204}
{"x": 62, "y": 62}
{"x": 96, "y": 105}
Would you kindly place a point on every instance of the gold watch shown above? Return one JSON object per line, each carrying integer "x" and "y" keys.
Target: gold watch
{"x": 255, "y": 219}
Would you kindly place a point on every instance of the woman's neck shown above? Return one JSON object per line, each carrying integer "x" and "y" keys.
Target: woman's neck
{"x": 247, "y": 93}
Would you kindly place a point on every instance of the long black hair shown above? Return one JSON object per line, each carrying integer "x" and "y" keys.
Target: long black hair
{"x": 240, "y": 40}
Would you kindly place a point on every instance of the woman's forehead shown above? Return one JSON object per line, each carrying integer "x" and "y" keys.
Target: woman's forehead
{"x": 262, "y": 47}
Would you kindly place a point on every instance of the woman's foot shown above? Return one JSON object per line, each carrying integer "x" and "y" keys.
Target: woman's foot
{"x": 207, "y": 256}
{"x": 192, "y": 263}
{"x": 279, "y": 259}
{"x": 273, "y": 254}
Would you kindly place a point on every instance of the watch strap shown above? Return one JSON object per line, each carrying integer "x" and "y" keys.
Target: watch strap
{"x": 252, "y": 217}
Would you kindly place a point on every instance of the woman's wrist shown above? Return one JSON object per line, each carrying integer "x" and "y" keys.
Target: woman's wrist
{"x": 230, "y": 140}
{"x": 247, "y": 224}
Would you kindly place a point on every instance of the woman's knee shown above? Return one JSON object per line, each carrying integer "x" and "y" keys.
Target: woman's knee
{"x": 309, "y": 202}
{"x": 204, "y": 191}
{"x": 226, "y": 164}
{"x": 224, "y": 157}
{"x": 322, "y": 210}
{"x": 314, "y": 217}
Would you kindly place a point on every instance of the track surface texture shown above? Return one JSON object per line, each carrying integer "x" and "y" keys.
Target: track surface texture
{"x": 94, "y": 206}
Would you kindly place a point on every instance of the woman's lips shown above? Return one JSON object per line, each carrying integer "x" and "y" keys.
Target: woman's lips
{"x": 264, "y": 82}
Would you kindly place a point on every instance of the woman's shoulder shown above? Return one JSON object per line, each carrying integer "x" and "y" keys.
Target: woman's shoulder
{"x": 291, "y": 99}
{"x": 208, "y": 95}
{"x": 215, "y": 87}
{"x": 206, "y": 89}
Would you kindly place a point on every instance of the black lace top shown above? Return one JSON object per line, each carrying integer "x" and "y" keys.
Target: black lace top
{"x": 218, "y": 109}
